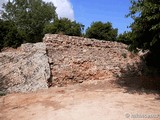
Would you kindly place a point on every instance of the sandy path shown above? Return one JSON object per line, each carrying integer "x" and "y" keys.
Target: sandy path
{"x": 92, "y": 100}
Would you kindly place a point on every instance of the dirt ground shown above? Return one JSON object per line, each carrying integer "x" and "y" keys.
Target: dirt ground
{"x": 90, "y": 100}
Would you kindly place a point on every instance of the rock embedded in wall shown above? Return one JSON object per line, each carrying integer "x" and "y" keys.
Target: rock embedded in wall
{"x": 76, "y": 59}
{"x": 71, "y": 60}
{"x": 23, "y": 70}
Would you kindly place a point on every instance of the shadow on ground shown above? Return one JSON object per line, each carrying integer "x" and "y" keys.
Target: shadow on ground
{"x": 140, "y": 85}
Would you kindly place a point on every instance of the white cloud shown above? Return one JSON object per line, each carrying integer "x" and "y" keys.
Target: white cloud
{"x": 63, "y": 8}
{"x": 1, "y": 2}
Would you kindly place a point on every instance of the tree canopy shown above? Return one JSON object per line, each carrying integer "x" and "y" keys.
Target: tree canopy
{"x": 29, "y": 16}
{"x": 102, "y": 31}
{"x": 125, "y": 38}
{"x": 64, "y": 26}
{"x": 146, "y": 27}
{"x": 9, "y": 35}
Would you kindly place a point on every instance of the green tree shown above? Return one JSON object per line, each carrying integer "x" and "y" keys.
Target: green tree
{"x": 146, "y": 28}
{"x": 125, "y": 38}
{"x": 29, "y": 16}
{"x": 102, "y": 31}
{"x": 9, "y": 35}
{"x": 64, "y": 26}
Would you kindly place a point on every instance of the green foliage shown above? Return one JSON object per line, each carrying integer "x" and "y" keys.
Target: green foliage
{"x": 29, "y": 16}
{"x": 125, "y": 38}
{"x": 146, "y": 27}
{"x": 64, "y": 26}
{"x": 9, "y": 35}
{"x": 102, "y": 31}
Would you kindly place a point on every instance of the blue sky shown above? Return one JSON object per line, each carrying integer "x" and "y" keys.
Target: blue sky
{"x": 114, "y": 11}
{"x": 88, "y": 11}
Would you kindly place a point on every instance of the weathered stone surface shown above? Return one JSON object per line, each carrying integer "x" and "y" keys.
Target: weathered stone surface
{"x": 75, "y": 59}
{"x": 71, "y": 60}
{"x": 26, "y": 69}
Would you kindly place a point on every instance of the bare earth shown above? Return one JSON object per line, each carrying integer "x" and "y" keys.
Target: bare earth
{"x": 91, "y": 100}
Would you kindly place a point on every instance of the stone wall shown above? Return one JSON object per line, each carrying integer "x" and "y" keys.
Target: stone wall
{"x": 75, "y": 59}
{"x": 25, "y": 69}
{"x": 64, "y": 60}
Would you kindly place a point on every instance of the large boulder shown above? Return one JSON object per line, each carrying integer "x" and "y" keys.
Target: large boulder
{"x": 25, "y": 69}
